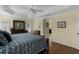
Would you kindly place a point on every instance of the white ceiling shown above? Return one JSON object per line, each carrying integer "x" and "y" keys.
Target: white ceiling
{"x": 32, "y": 11}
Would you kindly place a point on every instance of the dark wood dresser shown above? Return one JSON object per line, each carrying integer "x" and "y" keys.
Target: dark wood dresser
{"x": 13, "y": 31}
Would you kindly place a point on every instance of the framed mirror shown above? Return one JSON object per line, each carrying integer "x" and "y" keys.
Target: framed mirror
{"x": 19, "y": 25}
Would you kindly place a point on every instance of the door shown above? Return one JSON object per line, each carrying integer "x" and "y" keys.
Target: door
{"x": 77, "y": 33}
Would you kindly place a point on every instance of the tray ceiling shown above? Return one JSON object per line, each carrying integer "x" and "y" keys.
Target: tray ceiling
{"x": 31, "y": 11}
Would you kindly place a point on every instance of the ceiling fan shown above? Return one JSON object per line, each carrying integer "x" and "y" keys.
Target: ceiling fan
{"x": 34, "y": 10}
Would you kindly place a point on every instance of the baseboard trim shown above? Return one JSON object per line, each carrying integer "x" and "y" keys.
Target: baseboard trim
{"x": 66, "y": 45}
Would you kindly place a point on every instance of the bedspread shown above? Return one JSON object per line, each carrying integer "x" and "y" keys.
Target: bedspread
{"x": 24, "y": 44}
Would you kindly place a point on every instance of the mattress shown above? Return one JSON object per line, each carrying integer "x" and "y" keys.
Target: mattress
{"x": 24, "y": 44}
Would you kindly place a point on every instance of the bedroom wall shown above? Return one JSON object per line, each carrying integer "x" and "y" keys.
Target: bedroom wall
{"x": 66, "y": 36}
{"x": 17, "y": 18}
{"x": 40, "y": 24}
{"x": 10, "y": 19}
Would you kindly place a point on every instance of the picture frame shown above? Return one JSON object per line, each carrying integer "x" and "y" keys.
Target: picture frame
{"x": 19, "y": 25}
{"x": 61, "y": 24}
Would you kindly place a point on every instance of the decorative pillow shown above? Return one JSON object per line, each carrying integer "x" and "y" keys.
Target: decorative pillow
{"x": 6, "y": 35}
{"x": 3, "y": 40}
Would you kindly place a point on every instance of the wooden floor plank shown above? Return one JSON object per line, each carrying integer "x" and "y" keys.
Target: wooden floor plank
{"x": 56, "y": 48}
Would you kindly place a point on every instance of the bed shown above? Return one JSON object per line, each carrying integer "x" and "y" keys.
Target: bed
{"x": 25, "y": 43}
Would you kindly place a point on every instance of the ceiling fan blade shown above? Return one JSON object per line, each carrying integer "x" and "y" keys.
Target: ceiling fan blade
{"x": 35, "y": 11}
{"x": 7, "y": 9}
{"x": 38, "y": 10}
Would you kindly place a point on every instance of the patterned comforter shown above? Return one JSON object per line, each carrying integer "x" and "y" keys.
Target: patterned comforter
{"x": 24, "y": 44}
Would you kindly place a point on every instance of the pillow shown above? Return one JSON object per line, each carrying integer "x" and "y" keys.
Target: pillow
{"x": 6, "y": 35}
{"x": 3, "y": 40}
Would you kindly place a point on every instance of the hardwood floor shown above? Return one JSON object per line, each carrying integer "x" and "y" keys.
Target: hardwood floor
{"x": 57, "y": 48}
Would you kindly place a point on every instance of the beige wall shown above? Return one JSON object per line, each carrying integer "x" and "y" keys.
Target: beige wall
{"x": 40, "y": 24}
{"x": 10, "y": 19}
{"x": 66, "y": 35}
